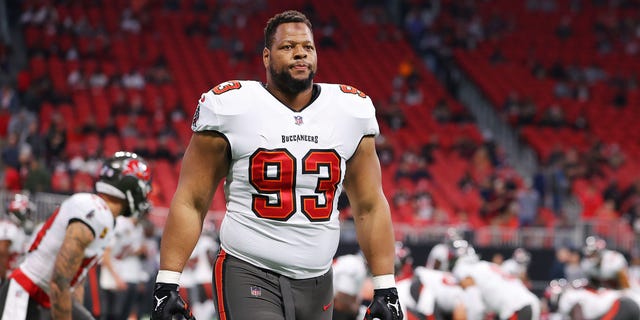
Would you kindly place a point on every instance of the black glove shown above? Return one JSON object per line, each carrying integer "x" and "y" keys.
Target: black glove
{"x": 167, "y": 303}
{"x": 384, "y": 305}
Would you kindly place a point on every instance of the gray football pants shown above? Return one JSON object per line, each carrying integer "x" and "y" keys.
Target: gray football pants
{"x": 245, "y": 292}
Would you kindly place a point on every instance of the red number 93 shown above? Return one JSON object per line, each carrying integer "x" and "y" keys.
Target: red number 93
{"x": 274, "y": 172}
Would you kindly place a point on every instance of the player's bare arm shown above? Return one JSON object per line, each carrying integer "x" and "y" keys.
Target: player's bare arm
{"x": 576, "y": 313}
{"x": 205, "y": 164}
{"x": 78, "y": 292}
{"x": 623, "y": 279}
{"x": 4, "y": 257}
{"x": 68, "y": 261}
{"x": 370, "y": 208}
{"x": 467, "y": 282}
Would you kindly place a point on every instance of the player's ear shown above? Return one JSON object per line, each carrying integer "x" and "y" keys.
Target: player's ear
{"x": 265, "y": 57}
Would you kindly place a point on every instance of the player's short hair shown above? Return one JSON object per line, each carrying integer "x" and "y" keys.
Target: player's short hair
{"x": 280, "y": 18}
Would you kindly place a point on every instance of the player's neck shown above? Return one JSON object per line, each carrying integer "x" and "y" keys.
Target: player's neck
{"x": 295, "y": 101}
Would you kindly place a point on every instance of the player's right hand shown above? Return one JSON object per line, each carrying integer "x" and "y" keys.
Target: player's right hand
{"x": 167, "y": 303}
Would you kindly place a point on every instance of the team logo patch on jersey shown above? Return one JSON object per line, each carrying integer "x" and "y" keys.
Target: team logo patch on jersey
{"x": 256, "y": 291}
{"x": 226, "y": 86}
{"x": 104, "y": 233}
{"x": 298, "y": 120}
{"x": 349, "y": 89}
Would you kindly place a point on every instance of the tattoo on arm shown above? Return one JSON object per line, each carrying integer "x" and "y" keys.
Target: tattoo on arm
{"x": 67, "y": 264}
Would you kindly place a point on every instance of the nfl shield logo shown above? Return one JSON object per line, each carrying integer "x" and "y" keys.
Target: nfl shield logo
{"x": 298, "y": 119}
{"x": 256, "y": 291}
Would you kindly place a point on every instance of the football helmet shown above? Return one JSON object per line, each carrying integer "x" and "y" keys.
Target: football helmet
{"x": 554, "y": 291}
{"x": 403, "y": 257}
{"x": 21, "y": 210}
{"x": 126, "y": 176}
{"x": 521, "y": 256}
{"x": 463, "y": 252}
{"x": 593, "y": 246}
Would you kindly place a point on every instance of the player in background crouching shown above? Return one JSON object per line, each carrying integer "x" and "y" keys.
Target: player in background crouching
{"x": 49, "y": 282}
{"x": 518, "y": 265}
{"x": 604, "y": 267}
{"x": 502, "y": 293}
{"x": 579, "y": 300}
{"x": 15, "y": 227}
{"x": 435, "y": 294}
{"x": 349, "y": 275}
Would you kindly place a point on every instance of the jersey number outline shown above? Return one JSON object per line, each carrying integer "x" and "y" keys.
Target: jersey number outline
{"x": 274, "y": 172}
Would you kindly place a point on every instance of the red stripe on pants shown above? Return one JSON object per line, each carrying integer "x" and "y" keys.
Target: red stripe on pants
{"x": 94, "y": 286}
{"x": 219, "y": 290}
{"x": 612, "y": 312}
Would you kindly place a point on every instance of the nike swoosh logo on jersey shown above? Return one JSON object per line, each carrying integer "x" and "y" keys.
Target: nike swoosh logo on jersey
{"x": 158, "y": 302}
{"x": 326, "y": 307}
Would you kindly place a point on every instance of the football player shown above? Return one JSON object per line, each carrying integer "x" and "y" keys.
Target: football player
{"x": 435, "y": 294}
{"x": 49, "y": 282}
{"x": 502, "y": 293}
{"x": 349, "y": 275}
{"x": 14, "y": 230}
{"x": 578, "y": 300}
{"x": 287, "y": 148}
{"x": 604, "y": 267}
{"x": 518, "y": 265}
{"x": 121, "y": 270}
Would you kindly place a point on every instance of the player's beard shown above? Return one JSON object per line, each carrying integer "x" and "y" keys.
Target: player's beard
{"x": 288, "y": 84}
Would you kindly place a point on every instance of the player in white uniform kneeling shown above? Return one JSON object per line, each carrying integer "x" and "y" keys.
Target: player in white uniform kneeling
{"x": 435, "y": 294}
{"x": 349, "y": 275}
{"x": 49, "y": 282}
{"x": 577, "y": 300}
{"x": 604, "y": 267}
{"x": 502, "y": 293}
{"x": 15, "y": 228}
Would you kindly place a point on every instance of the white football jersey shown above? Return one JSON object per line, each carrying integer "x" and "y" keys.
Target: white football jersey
{"x": 86, "y": 208}
{"x": 126, "y": 241}
{"x": 286, "y": 171}
{"x": 610, "y": 264}
{"x": 435, "y": 288}
{"x": 510, "y": 266}
{"x": 349, "y": 274}
{"x": 439, "y": 252}
{"x": 501, "y": 292}
{"x": 198, "y": 269}
{"x": 594, "y": 304}
{"x": 10, "y": 231}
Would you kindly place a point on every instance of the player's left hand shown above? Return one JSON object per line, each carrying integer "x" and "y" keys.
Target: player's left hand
{"x": 167, "y": 303}
{"x": 384, "y": 305}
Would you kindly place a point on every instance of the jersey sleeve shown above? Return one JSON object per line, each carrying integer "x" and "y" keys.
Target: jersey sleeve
{"x": 371, "y": 125}
{"x": 8, "y": 231}
{"x": 83, "y": 208}
{"x": 206, "y": 116}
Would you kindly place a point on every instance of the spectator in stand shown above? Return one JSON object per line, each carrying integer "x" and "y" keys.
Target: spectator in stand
{"x": 9, "y": 101}
{"x": 442, "y": 112}
{"x": 385, "y": 150}
{"x": 133, "y": 79}
{"x": 56, "y": 138}
{"x": 37, "y": 178}
{"x": 553, "y": 117}
{"x": 11, "y": 151}
{"x": 394, "y": 117}
{"x": 528, "y": 200}
{"x": 20, "y": 122}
